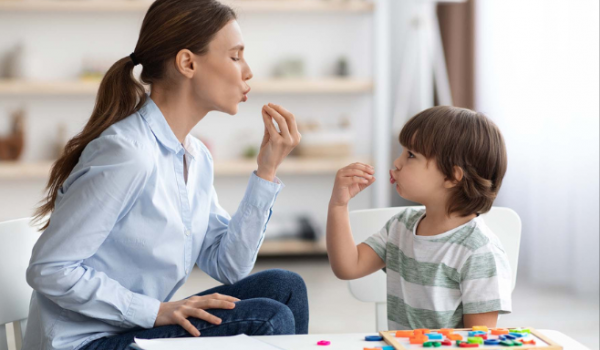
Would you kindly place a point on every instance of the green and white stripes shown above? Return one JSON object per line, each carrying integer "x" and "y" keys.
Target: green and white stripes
{"x": 434, "y": 280}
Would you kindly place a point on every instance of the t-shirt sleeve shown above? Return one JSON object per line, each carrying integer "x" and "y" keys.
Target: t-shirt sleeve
{"x": 486, "y": 281}
{"x": 378, "y": 241}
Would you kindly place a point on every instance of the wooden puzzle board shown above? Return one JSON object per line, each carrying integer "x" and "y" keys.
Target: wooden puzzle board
{"x": 541, "y": 342}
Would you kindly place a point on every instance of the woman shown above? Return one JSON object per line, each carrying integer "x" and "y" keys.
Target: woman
{"x": 133, "y": 206}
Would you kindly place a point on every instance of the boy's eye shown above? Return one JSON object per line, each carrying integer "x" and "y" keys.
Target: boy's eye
{"x": 410, "y": 155}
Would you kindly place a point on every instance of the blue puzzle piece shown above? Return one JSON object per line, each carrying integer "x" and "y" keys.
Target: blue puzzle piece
{"x": 373, "y": 338}
{"x": 435, "y": 336}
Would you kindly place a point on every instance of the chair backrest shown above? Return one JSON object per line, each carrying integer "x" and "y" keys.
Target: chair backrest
{"x": 17, "y": 238}
{"x": 504, "y": 222}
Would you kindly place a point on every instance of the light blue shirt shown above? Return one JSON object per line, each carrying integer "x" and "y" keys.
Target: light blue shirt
{"x": 127, "y": 230}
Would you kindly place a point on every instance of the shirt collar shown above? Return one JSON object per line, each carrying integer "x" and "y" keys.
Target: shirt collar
{"x": 162, "y": 131}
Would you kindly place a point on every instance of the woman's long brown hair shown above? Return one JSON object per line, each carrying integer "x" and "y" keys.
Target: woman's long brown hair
{"x": 168, "y": 27}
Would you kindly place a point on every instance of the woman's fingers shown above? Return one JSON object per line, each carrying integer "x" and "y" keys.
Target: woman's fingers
{"x": 273, "y": 133}
{"x": 283, "y": 125}
{"x": 289, "y": 117}
{"x": 223, "y": 297}
{"x": 187, "y": 325}
{"x": 203, "y": 315}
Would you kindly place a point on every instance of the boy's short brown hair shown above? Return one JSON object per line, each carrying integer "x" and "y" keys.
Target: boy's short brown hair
{"x": 467, "y": 139}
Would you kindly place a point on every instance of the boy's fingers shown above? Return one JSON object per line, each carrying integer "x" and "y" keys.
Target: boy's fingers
{"x": 356, "y": 172}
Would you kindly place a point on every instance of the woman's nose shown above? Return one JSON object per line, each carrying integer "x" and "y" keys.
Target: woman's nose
{"x": 247, "y": 73}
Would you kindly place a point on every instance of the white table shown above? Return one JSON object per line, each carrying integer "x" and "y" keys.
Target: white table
{"x": 356, "y": 341}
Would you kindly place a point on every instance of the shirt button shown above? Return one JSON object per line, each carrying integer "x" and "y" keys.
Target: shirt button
{"x": 186, "y": 270}
{"x": 187, "y": 232}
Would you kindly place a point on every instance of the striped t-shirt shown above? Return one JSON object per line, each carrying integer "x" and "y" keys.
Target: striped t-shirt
{"x": 433, "y": 280}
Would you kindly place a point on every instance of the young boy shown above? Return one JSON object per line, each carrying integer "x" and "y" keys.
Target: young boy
{"x": 445, "y": 268}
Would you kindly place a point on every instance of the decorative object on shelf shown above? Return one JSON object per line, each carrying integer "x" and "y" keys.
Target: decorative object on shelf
{"x": 292, "y": 226}
{"x": 250, "y": 152}
{"x": 21, "y": 63}
{"x": 329, "y": 142}
{"x": 290, "y": 68}
{"x": 11, "y": 146}
{"x": 93, "y": 69}
{"x": 342, "y": 69}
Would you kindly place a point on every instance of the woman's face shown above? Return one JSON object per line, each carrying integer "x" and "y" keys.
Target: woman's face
{"x": 221, "y": 81}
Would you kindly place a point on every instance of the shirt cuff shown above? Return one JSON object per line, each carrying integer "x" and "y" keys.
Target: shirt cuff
{"x": 142, "y": 311}
{"x": 262, "y": 193}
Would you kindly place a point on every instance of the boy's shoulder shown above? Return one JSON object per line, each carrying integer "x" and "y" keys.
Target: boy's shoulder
{"x": 474, "y": 236}
{"x": 405, "y": 219}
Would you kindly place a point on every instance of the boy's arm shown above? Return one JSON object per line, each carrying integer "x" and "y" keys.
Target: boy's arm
{"x": 349, "y": 261}
{"x": 489, "y": 319}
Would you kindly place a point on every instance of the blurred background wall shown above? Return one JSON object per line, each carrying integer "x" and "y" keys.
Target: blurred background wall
{"x": 530, "y": 65}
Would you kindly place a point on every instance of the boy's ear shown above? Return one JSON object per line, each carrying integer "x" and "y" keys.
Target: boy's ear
{"x": 458, "y": 176}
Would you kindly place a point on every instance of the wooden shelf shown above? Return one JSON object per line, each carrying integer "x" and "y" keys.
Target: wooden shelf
{"x": 242, "y": 6}
{"x": 269, "y": 86}
{"x": 291, "y": 247}
{"x": 240, "y": 167}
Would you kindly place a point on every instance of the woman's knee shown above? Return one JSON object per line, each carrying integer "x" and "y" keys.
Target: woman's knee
{"x": 284, "y": 278}
{"x": 278, "y": 318}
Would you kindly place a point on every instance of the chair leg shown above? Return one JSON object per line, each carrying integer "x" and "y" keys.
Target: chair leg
{"x": 18, "y": 335}
{"x": 3, "y": 340}
{"x": 381, "y": 316}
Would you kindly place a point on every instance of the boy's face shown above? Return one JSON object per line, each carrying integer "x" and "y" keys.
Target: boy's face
{"x": 418, "y": 179}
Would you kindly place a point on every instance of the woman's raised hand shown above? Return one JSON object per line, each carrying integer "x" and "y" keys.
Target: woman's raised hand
{"x": 350, "y": 181}
{"x": 177, "y": 312}
{"x": 276, "y": 145}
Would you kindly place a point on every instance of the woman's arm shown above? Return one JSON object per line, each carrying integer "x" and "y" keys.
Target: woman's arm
{"x": 96, "y": 195}
{"x": 349, "y": 261}
{"x": 230, "y": 246}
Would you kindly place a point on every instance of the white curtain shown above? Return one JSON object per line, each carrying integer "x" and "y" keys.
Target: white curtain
{"x": 538, "y": 78}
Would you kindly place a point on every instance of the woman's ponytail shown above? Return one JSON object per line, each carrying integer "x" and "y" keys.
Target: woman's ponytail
{"x": 119, "y": 95}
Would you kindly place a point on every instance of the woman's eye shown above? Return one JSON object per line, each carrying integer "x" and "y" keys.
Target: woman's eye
{"x": 235, "y": 59}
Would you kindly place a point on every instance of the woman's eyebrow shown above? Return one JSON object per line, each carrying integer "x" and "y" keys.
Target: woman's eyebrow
{"x": 237, "y": 47}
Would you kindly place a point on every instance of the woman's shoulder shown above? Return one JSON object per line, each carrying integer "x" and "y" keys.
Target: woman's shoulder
{"x": 131, "y": 129}
{"x": 124, "y": 142}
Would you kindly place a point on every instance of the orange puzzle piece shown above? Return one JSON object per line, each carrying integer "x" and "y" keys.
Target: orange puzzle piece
{"x": 422, "y": 331}
{"x": 499, "y": 331}
{"x": 453, "y": 336}
{"x": 405, "y": 334}
{"x": 419, "y": 339}
{"x": 446, "y": 331}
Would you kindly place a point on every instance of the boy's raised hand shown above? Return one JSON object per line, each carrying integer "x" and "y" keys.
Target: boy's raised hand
{"x": 350, "y": 181}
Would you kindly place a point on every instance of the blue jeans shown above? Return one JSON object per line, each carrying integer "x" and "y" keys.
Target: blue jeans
{"x": 272, "y": 302}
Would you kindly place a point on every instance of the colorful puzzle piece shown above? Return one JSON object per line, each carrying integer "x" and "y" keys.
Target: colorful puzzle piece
{"x": 435, "y": 336}
{"x": 499, "y": 331}
{"x": 475, "y": 340}
{"x": 405, "y": 334}
{"x": 453, "y": 336}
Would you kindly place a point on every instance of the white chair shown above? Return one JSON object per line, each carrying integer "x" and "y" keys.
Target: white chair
{"x": 504, "y": 222}
{"x": 17, "y": 238}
